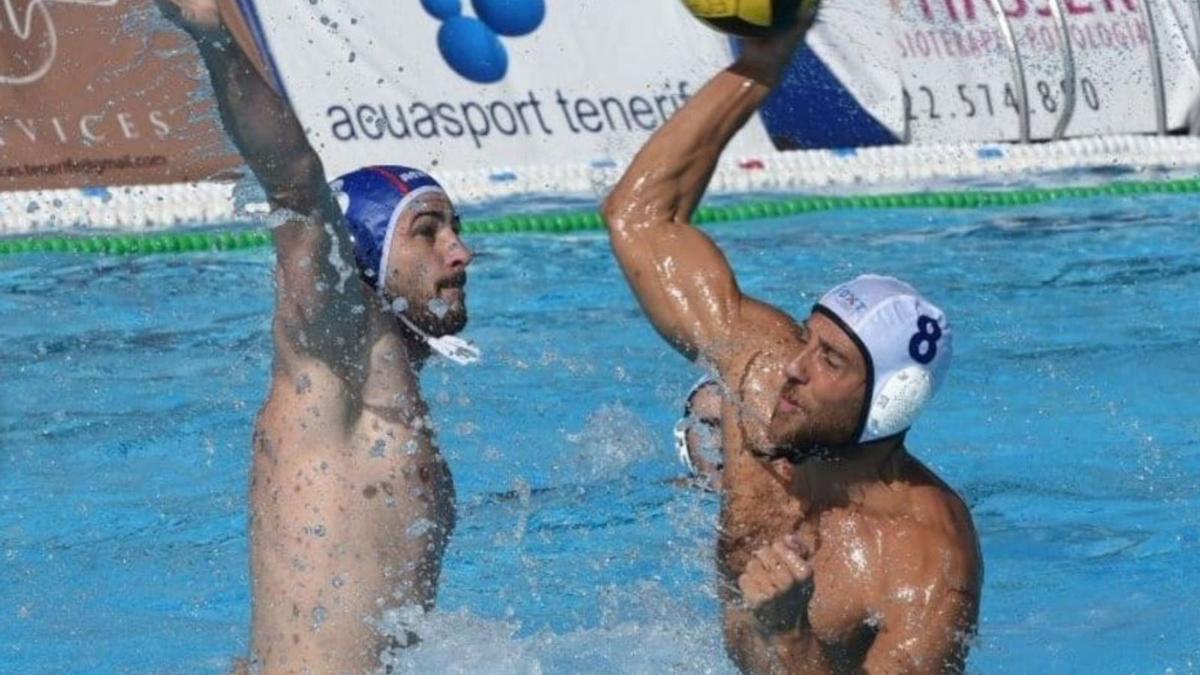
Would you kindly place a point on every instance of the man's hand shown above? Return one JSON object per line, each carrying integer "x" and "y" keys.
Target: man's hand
{"x": 777, "y": 584}
{"x": 200, "y": 18}
{"x": 765, "y": 58}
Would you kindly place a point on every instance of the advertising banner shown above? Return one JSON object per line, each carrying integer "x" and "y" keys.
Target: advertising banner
{"x": 486, "y": 84}
{"x": 492, "y": 83}
{"x": 959, "y": 76}
{"x": 102, "y": 93}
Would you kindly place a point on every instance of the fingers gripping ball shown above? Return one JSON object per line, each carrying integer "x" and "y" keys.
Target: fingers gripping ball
{"x": 749, "y": 18}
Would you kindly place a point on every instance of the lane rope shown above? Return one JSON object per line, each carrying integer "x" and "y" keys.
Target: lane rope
{"x": 582, "y": 221}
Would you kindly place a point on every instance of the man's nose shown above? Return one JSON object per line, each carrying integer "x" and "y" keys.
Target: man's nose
{"x": 798, "y": 368}
{"x": 458, "y": 256}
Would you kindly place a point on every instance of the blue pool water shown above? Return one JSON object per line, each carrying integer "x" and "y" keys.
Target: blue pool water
{"x": 1069, "y": 424}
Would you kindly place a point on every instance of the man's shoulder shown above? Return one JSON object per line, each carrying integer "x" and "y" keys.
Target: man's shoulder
{"x": 940, "y": 523}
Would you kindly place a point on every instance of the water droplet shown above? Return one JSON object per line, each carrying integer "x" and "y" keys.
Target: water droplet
{"x": 319, "y": 615}
{"x": 439, "y": 307}
{"x": 337, "y": 582}
{"x": 418, "y": 528}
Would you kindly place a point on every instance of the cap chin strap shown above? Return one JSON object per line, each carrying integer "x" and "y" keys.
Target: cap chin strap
{"x": 454, "y": 348}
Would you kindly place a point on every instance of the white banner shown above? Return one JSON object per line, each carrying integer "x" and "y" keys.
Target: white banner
{"x": 960, "y": 83}
{"x": 588, "y": 80}
{"x": 489, "y": 84}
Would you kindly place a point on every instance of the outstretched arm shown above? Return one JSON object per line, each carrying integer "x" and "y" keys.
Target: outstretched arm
{"x": 317, "y": 286}
{"x": 681, "y": 278}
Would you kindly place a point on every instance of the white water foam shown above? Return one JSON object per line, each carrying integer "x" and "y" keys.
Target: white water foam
{"x": 641, "y": 631}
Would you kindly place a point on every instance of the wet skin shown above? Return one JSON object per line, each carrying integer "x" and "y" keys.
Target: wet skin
{"x": 856, "y": 557}
{"x": 352, "y": 503}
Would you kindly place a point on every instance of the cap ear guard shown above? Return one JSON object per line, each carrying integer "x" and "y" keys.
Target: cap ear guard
{"x": 900, "y": 398}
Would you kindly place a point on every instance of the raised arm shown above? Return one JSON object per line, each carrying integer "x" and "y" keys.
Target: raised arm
{"x": 317, "y": 285}
{"x": 683, "y": 281}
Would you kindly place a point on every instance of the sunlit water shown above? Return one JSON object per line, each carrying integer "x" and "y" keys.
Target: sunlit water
{"x": 1069, "y": 424}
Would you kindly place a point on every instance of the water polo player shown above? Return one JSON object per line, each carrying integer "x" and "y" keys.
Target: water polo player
{"x": 352, "y": 503}
{"x": 839, "y": 551}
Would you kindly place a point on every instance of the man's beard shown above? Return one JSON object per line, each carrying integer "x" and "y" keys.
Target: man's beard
{"x": 810, "y": 441}
{"x": 437, "y": 316}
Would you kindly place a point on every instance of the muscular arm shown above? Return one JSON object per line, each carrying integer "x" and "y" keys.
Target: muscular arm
{"x": 931, "y": 638}
{"x": 682, "y": 280}
{"x": 317, "y": 288}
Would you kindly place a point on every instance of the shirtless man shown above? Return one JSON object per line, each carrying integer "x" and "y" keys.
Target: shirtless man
{"x": 351, "y": 502}
{"x": 839, "y": 551}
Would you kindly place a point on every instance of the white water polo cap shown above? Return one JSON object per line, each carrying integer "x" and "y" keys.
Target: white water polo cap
{"x": 906, "y": 342}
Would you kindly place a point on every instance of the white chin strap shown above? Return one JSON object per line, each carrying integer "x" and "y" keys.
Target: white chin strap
{"x": 454, "y": 348}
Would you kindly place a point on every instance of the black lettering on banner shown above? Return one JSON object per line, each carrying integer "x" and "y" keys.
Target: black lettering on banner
{"x": 608, "y": 103}
{"x": 590, "y": 112}
{"x": 343, "y": 129}
{"x": 424, "y": 126}
{"x": 987, "y": 96}
{"x": 1089, "y": 94}
{"x": 511, "y": 128}
{"x": 477, "y": 124}
{"x": 477, "y": 120}
{"x": 932, "y": 106}
{"x": 450, "y": 124}
{"x": 1048, "y": 102}
{"x": 368, "y": 120}
{"x": 401, "y": 119}
{"x": 968, "y": 100}
{"x": 962, "y": 94}
{"x": 1010, "y": 99}
{"x": 639, "y": 107}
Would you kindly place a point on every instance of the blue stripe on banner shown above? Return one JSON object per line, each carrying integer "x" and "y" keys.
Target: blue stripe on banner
{"x": 812, "y": 109}
{"x": 260, "y": 40}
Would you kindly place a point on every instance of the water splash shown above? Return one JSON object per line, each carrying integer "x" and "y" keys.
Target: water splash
{"x": 613, "y": 439}
{"x": 642, "y": 630}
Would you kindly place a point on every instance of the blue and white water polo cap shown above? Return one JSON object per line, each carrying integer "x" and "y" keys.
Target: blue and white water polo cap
{"x": 372, "y": 198}
{"x": 906, "y": 342}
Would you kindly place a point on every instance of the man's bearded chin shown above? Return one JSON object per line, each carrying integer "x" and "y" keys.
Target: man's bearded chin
{"x": 808, "y": 443}
{"x": 446, "y": 320}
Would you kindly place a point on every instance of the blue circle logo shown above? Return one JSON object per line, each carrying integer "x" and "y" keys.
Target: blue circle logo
{"x": 472, "y": 47}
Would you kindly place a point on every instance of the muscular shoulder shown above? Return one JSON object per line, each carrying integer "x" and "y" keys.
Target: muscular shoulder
{"x": 937, "y": 535}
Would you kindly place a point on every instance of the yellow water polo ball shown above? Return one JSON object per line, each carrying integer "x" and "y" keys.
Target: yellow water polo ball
{"x": 748, "y": 18}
